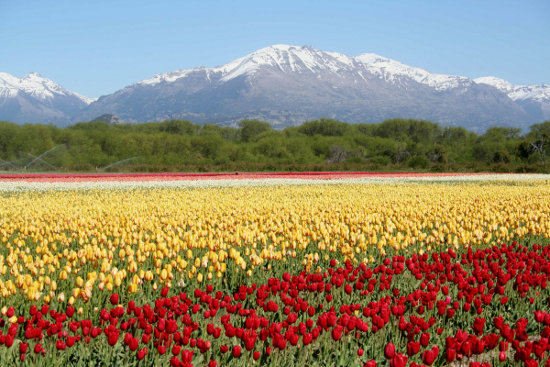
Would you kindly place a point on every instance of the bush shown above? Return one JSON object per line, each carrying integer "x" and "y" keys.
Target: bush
{"x": 380, "y": 160}
{"x": 418, "y": 162}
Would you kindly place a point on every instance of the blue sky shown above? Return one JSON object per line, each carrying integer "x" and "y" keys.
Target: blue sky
{"x": 97, "y": 47}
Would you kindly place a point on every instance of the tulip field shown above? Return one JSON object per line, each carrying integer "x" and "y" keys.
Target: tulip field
{"x": 326, "y": 270}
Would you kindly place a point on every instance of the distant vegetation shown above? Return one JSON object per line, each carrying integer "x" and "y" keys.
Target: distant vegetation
{"x": 396, "y": 144}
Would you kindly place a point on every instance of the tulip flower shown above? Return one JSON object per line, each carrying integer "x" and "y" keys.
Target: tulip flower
{"x": 389, "y": 351}
{"x": 114, "y": 299}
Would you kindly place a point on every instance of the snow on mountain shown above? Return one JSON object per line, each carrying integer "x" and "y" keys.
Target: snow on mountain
{"x": 36, "y": 86}
{"x": 390, "y": 70}
{"x": 286, "y": 58}
{"x": 498, "y": 83}
{"x": 536, "y": 92}
{"x": 534, "y": 99}
{"x": 293, "y": 59}
{"x": 87, "y": 100}
{"x": 166, "y": 77}
{"x": 282, "y": 57}
{"x": 36, "y": 99}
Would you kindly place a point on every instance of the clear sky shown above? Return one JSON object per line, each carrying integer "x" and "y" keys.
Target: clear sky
{"x": 97, "y": 47}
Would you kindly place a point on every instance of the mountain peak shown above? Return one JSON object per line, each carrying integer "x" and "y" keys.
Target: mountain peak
{"x": 35, "y": 85}
{"x": 277, "y": 47}
{"x": 285, "y": 58}
{"x": 33, "y": 75}
{"x": 33, "y": 98}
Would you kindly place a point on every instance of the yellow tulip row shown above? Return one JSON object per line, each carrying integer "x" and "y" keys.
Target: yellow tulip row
{"x": 79, "y": 243}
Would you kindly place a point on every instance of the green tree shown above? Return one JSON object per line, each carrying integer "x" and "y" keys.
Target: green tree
{"x": 496, "y": 145}
{"x": 252, "y": 128}
{"x": 180, "y": 127}
{"x": 538, "y": 139}
{"x": 324, "y": 127}
{"x": 458, "y": 143}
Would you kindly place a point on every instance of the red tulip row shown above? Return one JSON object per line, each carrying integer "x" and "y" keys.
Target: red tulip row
{"x": 75, "y": 177}
{"x": 423, "y": 310}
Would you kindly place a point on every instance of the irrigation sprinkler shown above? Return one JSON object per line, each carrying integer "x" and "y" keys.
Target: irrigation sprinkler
{"x": 39, "y": 158}
{"x": 6, "y": 163}
{"x": 122, "y": 161}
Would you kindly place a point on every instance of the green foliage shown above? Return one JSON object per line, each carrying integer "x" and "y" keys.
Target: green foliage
{"x": 252, "y": 128}
{"x": 418, "y": 162}
{"x": 178, "y": 127}
{"x": 324, "y": 127}
{"x": 325, "y": 144}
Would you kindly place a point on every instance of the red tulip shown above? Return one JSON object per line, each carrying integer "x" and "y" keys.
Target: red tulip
{"x": 142, "y": 353}
{"x": 113, "y": 338}
{"x": 425, "y": 339}
{"x": 187, "y": 356}
{"x": 399, "y": 360}
{"x": 337, "y": 332}
{"x": 60, "y": 345}
{"x": 429, "y": 356}
{"x": 114, "y": 299}
{"x": 466, "y": 348}
{"x": 70, "y": 341}
{"x": 450, "y": 355}
{"x": 389, "y": 351}
{"x": 38, "y": 348}
{"x": 70, "y": 311}
{"x": 413, "y": 348}
{"x": 236, "y": 352}
{"x": 479, "y": 324}
{"x": 348, "y": 289}
{"x": 23, "y": 347}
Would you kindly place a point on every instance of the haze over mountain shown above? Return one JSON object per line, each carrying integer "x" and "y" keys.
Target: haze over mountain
{"x": 287, "y": 85}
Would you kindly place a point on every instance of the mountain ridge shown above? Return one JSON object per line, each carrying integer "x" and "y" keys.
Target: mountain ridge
{"x": 287, "y": 85}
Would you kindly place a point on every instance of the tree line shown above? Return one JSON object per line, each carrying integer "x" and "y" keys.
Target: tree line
{"x": 324, "y": 144}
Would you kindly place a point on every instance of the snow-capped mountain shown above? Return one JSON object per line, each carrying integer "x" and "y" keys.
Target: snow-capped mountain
{"x": 287, "y": 85}
{"x": 34, "y": 98}
{"x": 292, "y": 59}
{"x": 535, "y": 99}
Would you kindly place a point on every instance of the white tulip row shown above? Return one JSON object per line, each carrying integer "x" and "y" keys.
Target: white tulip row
{"x": 15, "y": 186}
